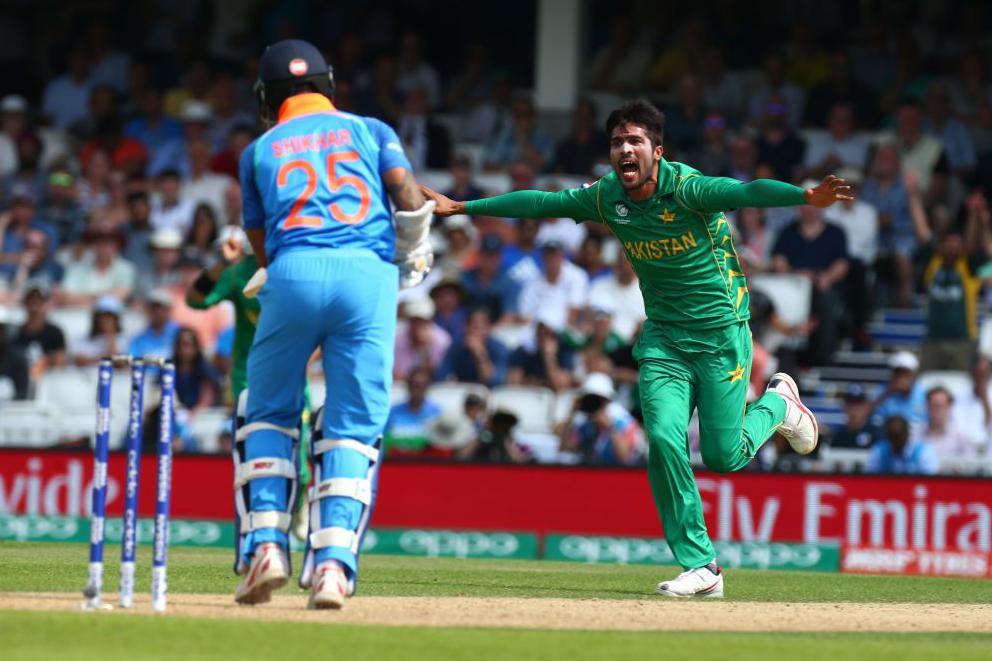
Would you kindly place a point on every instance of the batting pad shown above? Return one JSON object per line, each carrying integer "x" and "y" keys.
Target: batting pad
{"x": 265, "y": 483}
{"x": 341, "y": 501}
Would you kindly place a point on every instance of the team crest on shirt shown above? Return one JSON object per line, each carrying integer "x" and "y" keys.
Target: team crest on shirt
{"x": 622, "y": 213}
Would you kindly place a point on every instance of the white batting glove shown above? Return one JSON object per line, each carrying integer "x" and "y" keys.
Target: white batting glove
{"x": 415, "y": 267}
{"x": 414, "y": 255}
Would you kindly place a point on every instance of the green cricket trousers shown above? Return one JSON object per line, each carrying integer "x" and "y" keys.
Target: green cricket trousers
{"x": 683, "y": 369}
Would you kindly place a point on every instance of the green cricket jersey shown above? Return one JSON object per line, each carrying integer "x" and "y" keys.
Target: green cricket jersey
{"x": 678, "y": 241}
{"x": 246, "y": 310}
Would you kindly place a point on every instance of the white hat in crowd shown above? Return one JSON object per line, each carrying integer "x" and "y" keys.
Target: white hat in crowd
{"x": 166, "y": 238}
{"x": 159, "y": 297}
{"x": 420, "y": 308}
{"x": 195, "y": 111}
{"x": 460, "y": 222}
{"x": 13, "y": 103}
{"x": 904, "y": 360}
{"x": 108, "y": 304}
{"x": 598, "y": 384}
{"x": 452, "y": 429}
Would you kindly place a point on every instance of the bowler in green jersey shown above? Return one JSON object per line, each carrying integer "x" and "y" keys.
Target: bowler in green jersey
{"x": 223, "y": 281}
{"x": 695, "y": 349}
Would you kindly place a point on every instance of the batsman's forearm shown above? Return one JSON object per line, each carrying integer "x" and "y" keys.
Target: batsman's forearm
{"x": 256, "y": 237}
{"x": 523, "y": 204}
{"x": 403, "y": 190}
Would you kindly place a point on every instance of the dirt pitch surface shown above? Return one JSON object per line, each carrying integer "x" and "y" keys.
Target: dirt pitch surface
{"x": 582, "y": 614}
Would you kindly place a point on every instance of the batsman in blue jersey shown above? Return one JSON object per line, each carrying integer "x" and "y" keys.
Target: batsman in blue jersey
{"x": 316, "y": 191}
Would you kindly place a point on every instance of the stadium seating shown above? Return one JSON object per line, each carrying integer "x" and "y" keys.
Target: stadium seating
{"x": 843, "y": 460}
{"x": 73, "y": 390}
{"x": 791, "y": 295}
{"x": 28, "y": 424}
{"x": 563, "y": 405}
{"x": 207, "y": 427}
{"x": 545, "y": 448}
{"x": 898, "y": 329}
{"x": 451, "y": 396}
{"x": 533, "y": 406}
{"x": 74, "y": 322}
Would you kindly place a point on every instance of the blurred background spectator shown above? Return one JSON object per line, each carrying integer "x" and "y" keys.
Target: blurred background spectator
{"x": 101, "y": 271}
{"x": 426, "y": 142}
{"x": 106, "y": 334}
{"x": 600, "y": 430}
{"x": 543, "y": 360}
{"x": 585, "y": 145}
{"x": 407, "y": 427}
{"x": 952, "y": 300}
{"x": 476, "y": 357}
{"x": 560, "y": 293}
{"x": 948, "y": 441}
{"x": 197, "y": 386}
{"x": 520, "y": 140}
{"x": 420, "y": 342}
{"x": 158, "y": 339}
{"x": 816, "y": 250}
{"x": 898, "y": 452}
{"x": 41, "y": 341}
{"x": 904, "y": 396}
{"x": 488, "y": 285}
{"x": 858, "y": 431}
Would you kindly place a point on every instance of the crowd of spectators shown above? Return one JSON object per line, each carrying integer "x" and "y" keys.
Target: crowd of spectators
{"x": 118, "y": 177}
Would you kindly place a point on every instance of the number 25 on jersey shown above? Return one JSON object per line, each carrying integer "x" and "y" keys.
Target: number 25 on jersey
{"x": 334, "y": 183}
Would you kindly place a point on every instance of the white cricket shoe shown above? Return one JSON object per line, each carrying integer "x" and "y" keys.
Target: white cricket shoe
{"x": 269, "y": 571}
{"x": 799, "y": 426}
{"x": 700, "y": 582}
{"x": 330, "y": 587}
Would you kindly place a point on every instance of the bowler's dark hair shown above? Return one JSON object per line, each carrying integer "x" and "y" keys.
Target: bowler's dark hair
{"x": 640, "y": 112}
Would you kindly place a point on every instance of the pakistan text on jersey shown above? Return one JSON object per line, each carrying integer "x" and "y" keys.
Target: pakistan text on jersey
{"x": 659, "y": 248}
{"x": 299, "y": 144}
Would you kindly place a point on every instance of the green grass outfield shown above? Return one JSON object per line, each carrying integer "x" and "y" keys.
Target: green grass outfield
{"x": 72, "y": 635}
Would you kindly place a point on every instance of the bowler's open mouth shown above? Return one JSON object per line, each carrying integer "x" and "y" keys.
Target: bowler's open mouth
{"x": 629, "y": 170}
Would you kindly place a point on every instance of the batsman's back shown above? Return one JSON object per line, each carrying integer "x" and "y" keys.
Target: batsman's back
{"x": 313, "y": 181}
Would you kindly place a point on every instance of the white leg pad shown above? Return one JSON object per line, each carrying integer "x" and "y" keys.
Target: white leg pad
{"x": 341, "y": 537}
{"x": 256, "y": 426}
{"x": 258, "y": 520}
{"x": 264, "y": 467}
{"x": 355, "y": 488}
{"x": 359, "y": 489}
{"x": 320, "y": 447}
{"x": 247, "y": 470}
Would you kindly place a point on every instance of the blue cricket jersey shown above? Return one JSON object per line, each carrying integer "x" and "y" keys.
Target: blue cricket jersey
{"x": 314, "y": 179}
